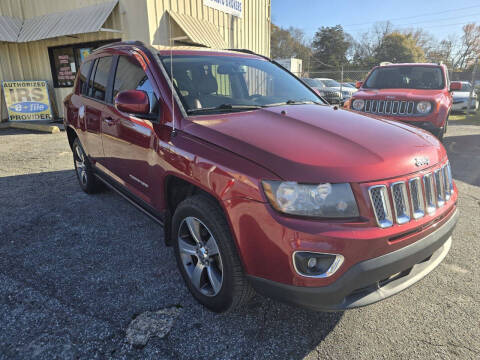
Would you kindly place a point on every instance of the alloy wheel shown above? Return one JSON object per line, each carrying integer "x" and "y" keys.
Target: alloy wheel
{"x": 200, "y": 256}
{"x": 80, "y": 165}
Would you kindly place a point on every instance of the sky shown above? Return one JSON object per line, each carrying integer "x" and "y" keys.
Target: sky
{"x": 440, "y": 18}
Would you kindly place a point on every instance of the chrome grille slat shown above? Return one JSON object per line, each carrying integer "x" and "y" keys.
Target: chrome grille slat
{"x": 439, "y": 187}
{"x": 400, "y": 202}
{"x": 381, "y": 205}
{"x": 429, "y": 193}
{"x": 445, "y": 184}
{"x": 416, "y": 198}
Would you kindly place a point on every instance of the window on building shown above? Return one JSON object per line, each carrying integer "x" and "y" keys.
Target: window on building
{"x": 66, "y": 60}
{"x": 131, "y": 76}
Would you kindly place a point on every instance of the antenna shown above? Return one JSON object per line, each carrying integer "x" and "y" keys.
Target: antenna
{"x": 174, "y": 132}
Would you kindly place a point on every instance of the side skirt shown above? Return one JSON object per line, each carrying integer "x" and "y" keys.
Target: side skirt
{"x": 132, "y": 199}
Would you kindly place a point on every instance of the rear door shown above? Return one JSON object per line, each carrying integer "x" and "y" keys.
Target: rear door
{"x": 129, "y": 140}
{"x": 94, "y": 106}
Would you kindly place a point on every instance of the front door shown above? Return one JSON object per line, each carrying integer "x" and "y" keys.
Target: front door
{"x": 129, "y": 140}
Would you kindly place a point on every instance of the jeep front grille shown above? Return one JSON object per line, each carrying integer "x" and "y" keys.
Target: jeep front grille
{"x": 389, "y": 107}
{"x": 402, "y": 201}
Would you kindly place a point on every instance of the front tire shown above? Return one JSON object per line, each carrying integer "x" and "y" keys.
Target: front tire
{"x": 84, "y": 170}
{"x": 207, "y": 256}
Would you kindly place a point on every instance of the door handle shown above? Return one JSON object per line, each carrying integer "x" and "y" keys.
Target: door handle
{"x": 109, "y": 121}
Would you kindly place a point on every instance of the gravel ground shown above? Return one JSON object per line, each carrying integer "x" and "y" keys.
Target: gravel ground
{"x": 79, "y": 273}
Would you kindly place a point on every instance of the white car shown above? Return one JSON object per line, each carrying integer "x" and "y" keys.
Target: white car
{"x": 461, "y": 98}
{"x": 346, "y": 91}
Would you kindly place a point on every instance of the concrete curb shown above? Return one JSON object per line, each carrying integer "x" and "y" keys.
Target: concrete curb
{"x": 52, "y": 129}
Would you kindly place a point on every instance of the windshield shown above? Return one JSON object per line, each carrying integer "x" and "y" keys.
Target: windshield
{"x": 330, "y": 83}
{"x": 228, "y": 83}
{"x": 348, "y": 85}
{"x": 406, "y": 77}
{"x": 313, "y": 82}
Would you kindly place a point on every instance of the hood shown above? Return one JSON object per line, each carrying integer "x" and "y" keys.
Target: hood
{"x": 314, "y": 143}
{"x": 398, "y": 94}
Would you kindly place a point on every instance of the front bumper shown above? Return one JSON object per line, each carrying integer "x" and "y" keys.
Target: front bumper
{"x": 371, "y": 280}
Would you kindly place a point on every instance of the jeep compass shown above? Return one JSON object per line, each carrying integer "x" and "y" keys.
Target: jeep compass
{"x": 258, "y": 183}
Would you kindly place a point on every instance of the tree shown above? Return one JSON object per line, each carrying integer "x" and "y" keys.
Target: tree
{"x": 397, "y": 47}
{"x": 286, "y": 43}
{"x": 469, "y": 48}
{"x": 330, "y": 47}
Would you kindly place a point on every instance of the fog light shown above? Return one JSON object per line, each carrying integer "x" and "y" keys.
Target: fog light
{"x": 317, "y": 265}
{"x": 312, "y": 263}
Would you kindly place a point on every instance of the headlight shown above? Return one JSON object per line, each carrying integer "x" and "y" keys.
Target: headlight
{"x": 358, "y": 104}
{"x": 346, "y": 94}
{"x": 319, "y": 200}
{"x": 424, "y": 107}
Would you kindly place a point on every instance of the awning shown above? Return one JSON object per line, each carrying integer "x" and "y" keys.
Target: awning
{"x": 77, "y": 21}
{"x": 198, "y": 31}
{"x": 9, "y": 28}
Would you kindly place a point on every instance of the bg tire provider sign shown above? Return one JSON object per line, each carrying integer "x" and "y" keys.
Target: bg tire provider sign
{"x": 27, "y": 100}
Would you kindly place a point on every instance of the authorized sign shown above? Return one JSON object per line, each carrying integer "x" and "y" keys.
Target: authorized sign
{"x": 234, "y": 7}
{"x": 27, "y": 100}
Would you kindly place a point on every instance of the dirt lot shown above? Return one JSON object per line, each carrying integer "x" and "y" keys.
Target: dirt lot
{"x": 75, "y": 270}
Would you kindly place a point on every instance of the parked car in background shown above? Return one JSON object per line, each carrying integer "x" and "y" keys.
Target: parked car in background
{"x": 332, "y": 96}
{"x": 349, "y": 85}
{"x": 260, "y": 187}
{"x": 418, "y": 94}
{"x": 331, "y": 84}
{"x": 461, "y": 98}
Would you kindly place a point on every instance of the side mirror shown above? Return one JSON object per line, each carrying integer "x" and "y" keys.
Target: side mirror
{"x": 359, "y": 84}
{"x": 133, "y": 102}
{"x": 455, "y": 86}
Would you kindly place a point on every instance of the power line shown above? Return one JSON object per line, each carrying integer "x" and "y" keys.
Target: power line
{"x": 436, "y": 20}
{"x": 409, "y": 27}
{"x": 416, "y": 16}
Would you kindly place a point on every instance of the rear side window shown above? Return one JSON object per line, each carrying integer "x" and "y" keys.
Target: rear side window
{"x": 83, "y": 77}
{"x": 99, "y": 78}
{"x": 131, "y": 76}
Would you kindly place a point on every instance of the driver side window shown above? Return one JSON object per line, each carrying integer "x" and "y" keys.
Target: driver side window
{"x": 131, "y": 76}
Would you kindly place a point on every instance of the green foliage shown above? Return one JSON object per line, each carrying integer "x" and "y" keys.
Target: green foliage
{"x": 330, "y": 46}
{"x": 287, "y": 43}
{"x": 398, "y": 48}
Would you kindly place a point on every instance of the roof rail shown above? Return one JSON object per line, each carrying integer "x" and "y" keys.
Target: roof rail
{"x": 120, "y": 43}
{"x": 246, "y": 51}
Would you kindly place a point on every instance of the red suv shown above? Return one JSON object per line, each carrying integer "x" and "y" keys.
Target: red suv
{"x": 418, "y": 94}
{"x": 258, "y": 183}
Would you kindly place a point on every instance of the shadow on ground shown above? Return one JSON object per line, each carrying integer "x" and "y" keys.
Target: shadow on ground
{"x": 464, "y": 155}
{"x": 76, "y": 269}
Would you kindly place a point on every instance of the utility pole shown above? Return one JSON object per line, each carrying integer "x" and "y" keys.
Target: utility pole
{"x": 470, "y": 98}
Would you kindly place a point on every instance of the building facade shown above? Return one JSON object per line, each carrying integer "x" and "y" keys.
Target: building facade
{"x": 48, "y": 39}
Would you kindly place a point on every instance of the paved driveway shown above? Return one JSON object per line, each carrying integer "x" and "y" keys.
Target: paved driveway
{"x": 75, "y": 270}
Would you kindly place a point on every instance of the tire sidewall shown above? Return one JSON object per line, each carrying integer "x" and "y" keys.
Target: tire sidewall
{"x": 89, "y": 185}
{"x": 223, "y": 300}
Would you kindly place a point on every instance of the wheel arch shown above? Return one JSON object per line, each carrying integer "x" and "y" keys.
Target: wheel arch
{"x": 177, "y": 189}
{"x": 71, "y": 135}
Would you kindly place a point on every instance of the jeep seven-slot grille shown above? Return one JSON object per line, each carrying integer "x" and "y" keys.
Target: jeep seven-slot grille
{"x": 425, "y": 194}
{"x": 389, "y": 107}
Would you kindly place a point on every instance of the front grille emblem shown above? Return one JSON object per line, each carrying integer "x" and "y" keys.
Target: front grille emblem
{"x": 421, "y": 161}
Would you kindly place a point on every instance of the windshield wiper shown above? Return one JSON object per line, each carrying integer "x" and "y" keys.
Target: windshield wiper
{"x": 296, "y": 102}
{"x": 223, "y": 107}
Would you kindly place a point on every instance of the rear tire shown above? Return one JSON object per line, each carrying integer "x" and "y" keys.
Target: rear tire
{"x": 207, "y": 256}
{"x": 84, "y": 170}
